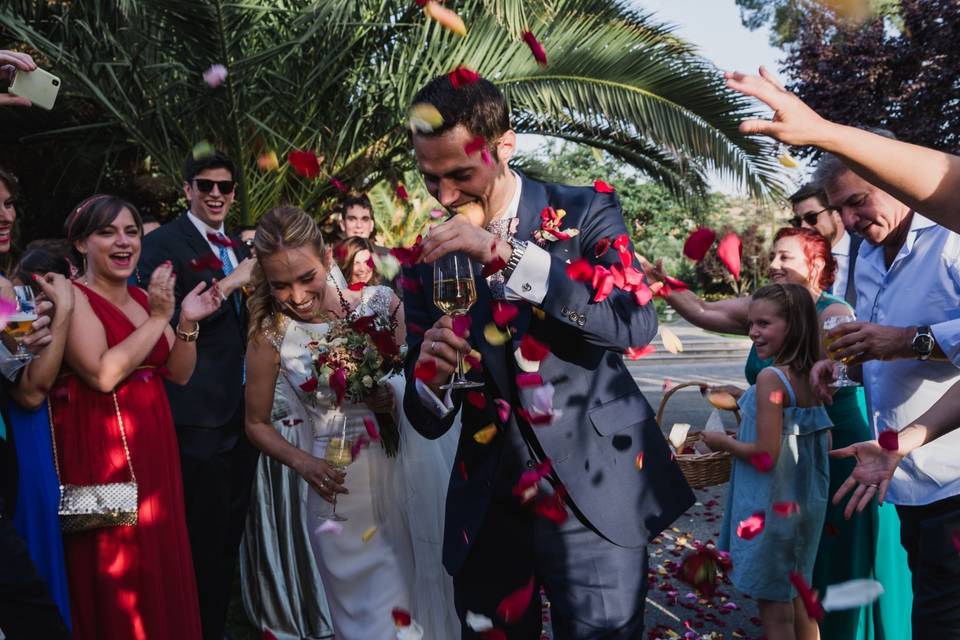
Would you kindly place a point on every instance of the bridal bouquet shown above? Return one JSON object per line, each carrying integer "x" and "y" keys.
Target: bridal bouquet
{"x": 355, "y": 356}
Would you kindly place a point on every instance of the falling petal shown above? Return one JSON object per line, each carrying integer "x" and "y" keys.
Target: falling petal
{"x": 512, "y": 608}
{"x": 477, "y": 399}
{"x": 527, "y": 380}
{"x": 786, "y": 509}
{"x": 476, "y": 144}
{"x": 368, "y": 534}
{"x": 639, "y": 461}
{"x": 339, "y": 186}
{"x": 215, "y": 75}
{"x": 539, "y": 54}
{"x": 268, "y": 635}
{"x": 424, "y": 118}
{"x": 814, "y": 609}
{"x": 386, "y": 265}
{"x": 305, "y": 163}
{"x": 955, "y": 539}
{"x": 670, "y": 341}
{"x": 495, "y": 266}
{"x": 436, "y": 214}
{"x": 889, "y": 439}
{"x": 208, "y": 262}
{"x": 729, "y": 251}
{"x": 463, "y": 76}
{"x": 529, "y": 366}
{"x": 330, "y": 526}
{"x": 371, "y": 428}
{"x": 495, "y": 336}
{"x": 338, "y": 383}
{"x": 268, "y": 161}
{"x": 851, "y": 594}
{"x": 503, "y": 409}
{"x": 485, "y": 435}
{"x": 751, "y": 527}
{"x": 580, "y": 270}
{"x": 603, "y": 280}
{"x": 493, "y": 634}
{"x": 461, "y": 324}
{"x": 698, "y": 243}
{"x": 478, "y": 623}
{"x": 446, "y": 18}
{"x": 552, "y": 508}
{"x": 635, "y": 353}
{"x": 356, "y": 286}
{"x": 221, "y": 240}
{"x": 788, "y": 160}
{"x": 472, "y": 361}
{"x": 408, "y": 256}
{"x": 602, "y": 187}
{"x": 528, "y": 486}
{"x": 203, "y": 150}
{"x": 504, "y": 312}
{"x": 401, "y": 192}
{"x": 763, "y": 461}
{"x": 722, "y": 400}
{"x": 401, "y": 617}
{"x": 533, "y": 349}
{"x": 310, "y": 385}
{"x": 425, "y": 370}
{"x": 600, "y": 249}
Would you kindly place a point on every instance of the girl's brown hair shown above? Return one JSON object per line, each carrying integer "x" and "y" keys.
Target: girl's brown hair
{"x": 801, "y": 346}
{"x": 279, "y": 229}
{"x": 346, "y": 252}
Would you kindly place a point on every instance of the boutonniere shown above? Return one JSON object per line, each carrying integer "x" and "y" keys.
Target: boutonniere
{"x": 549, "y": 230}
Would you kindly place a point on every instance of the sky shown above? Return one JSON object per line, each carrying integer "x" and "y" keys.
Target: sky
{"x": 714, "y": 27}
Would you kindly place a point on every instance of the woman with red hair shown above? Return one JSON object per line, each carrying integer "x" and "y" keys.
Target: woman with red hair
{"x": 863, "y": 547}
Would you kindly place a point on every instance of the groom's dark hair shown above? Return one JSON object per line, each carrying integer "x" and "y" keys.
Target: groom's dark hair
{"x": 478, "y": 106}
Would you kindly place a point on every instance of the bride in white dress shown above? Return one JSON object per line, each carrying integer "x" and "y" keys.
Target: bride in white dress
{"x": 370, "y": 566}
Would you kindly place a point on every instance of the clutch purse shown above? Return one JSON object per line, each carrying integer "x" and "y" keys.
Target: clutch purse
{"x": 95, "y": 506}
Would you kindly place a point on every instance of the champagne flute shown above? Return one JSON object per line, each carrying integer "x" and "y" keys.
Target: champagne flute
{"x": 338, "y": 454}
{"x": 20, "y": 323}
{"x": 829, "y": 324}
{"x": 454, "y": 292}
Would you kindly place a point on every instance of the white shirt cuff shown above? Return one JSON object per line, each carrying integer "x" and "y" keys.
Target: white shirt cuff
{"x": 9, "y": 366}
{"x": 947, "y": 335}
{"x": 433, "y": 404}
{"x": 530, "y": 279}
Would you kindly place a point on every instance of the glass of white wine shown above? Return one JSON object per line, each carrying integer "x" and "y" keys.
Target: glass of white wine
{"x": 829, "y": 324}
{"x": 20, "y": 322}
{"x": 454, "y": 292}
{"x": 338, "y": 455}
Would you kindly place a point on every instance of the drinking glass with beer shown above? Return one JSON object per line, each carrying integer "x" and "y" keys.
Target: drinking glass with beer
{"x": 20, "y": 322}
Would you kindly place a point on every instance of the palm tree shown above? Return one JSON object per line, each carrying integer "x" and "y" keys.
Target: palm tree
{"x": 336, "y": 77}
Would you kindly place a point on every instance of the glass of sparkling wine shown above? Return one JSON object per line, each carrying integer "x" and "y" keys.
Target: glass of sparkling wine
{"x": 828, "y": 324}
{"x": 454, "y": 292}
{"x": 20, "y": 322}
{"x": 339, "y": 456}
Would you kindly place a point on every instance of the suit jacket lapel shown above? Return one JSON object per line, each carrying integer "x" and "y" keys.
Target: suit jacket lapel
{"x": 533, "y": 198}
{"x": 493, "y": 357}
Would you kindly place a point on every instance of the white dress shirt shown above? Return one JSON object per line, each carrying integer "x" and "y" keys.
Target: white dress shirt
{"x": 529, "y": 281}
{"x": 204, "y": 229}
{"x": 921, "y": 287}
{"x": 841, "y": 253}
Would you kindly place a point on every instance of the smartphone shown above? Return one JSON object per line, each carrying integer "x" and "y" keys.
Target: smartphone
{"x": 39, "y": 87}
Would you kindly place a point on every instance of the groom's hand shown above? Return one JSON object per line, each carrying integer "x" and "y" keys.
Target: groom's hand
{"x": 458, "y": 234}
{"x": 440, "y": 345}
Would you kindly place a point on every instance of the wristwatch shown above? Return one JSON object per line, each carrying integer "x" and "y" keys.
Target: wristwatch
{"x": 518, "y": 248}
{"x": 923, "y": 343}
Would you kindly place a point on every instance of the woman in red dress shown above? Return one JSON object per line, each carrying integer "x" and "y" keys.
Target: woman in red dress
{"x": 126, "y": 581}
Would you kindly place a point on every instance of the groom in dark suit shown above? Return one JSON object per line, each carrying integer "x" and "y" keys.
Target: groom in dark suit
{"x": 217, "y": 460}
{"x": 610, "y": 486}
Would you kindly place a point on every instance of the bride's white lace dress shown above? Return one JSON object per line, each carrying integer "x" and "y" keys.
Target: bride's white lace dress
{"x": 388, "y": 553}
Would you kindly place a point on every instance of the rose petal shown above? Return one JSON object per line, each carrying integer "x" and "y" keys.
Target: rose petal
{"x": 471, "y": 362}
{"x": 698, "y": 243}
{"x": 762, "y": 461}
{"x": 486, "y": 434}
{"x": 851, "y": 594}
{"x": 602, "y": 187}
{"x": 366, "y": 535}
{"x": 476, "y": 144}
{"x": 639, "y": 461}
{"x": 635, "y": 353}
{"x": 461, "y": 324}
{"x": 512, "y": 608}
{"x": 786, "y": 509}
{"x": 401, "y": 617}
{"x": 539, "y": 54}
{"x": 478, "y": 623}
{"x": 604, "y": 285}
{"x": 495, "y": 266}
{"x": 267, "y": 634}
{"x": 310, "y": 385}
{"x": 215, "y": 75}
{"x": 729, "y": 251}
{"x": 436, "y": 214}
{"x": 477, "y": 399}
{"x": 810, "y": 603}
{"x": 580, "y": 270}
{"x": 552, "y": 508}
{"x": 889, "y": 439}
{"x": 425, "y": 370}
{"x": 338, "y": 383}
{"x": 401, "y": 192}
{"x": 356, "y": 286}
{"x": 268, "y": 161}
{"x": 462, "y": 76}
{"x": 495, "y": 336}
{"x": 599, "y": 249}
{"x": 330, "y": 526}
{"x": 751, "y": 527}
{"x": 371, "y": 428}
{"x": 339, "y": 186}
{"x": 503, "y": 409}
{"x": 208, "y": 262}
{"x": 408, "y": 256}
{"x": 533, "y": 349}
{"x": 504, "y": 312}
{"x": 670, "y": 341}
{"x": 527, "y": 380}
{"x": 423, "y": 117}
{"x": 446, "y": 18}
{"x": 305, "y": 163}
{"x": 361, "y": 443}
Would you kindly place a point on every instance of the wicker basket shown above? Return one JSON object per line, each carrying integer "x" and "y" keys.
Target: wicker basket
{"x": 701, "y": 470}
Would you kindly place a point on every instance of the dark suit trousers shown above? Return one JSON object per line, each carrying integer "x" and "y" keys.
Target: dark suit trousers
{"x": 218, "y": 469}
{"x": 927, "y": 532}
{"x": 26, "y": 609}
{"x": 596, "y": 589}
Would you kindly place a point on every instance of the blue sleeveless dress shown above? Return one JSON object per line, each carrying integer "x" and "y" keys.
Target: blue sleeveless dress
{"x": 761, "y": 566}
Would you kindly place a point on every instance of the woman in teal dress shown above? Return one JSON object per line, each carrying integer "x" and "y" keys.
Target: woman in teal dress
{"x": 867, "y": 545}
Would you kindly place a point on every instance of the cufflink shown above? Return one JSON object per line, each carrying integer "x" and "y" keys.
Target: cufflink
{"x": 526, "y": 287}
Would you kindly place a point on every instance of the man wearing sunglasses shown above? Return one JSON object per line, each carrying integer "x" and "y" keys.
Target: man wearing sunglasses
{"x": 217, "y": 461}
{"x": 812, "y": 211}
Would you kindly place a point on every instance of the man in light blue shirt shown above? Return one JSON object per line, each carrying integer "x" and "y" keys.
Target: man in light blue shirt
{"x": 908, "y": 343}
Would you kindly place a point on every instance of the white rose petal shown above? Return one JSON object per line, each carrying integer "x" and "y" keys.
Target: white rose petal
{"x": 413, "y": 632}
{"x": 215, "y": 75}
{"x": 851, "y": 594}
{"x": 367, "y": 382}
{"x": 478, "y": 622}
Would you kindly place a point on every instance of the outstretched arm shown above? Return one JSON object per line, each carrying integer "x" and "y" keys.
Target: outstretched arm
{"x": 925, "y": 179}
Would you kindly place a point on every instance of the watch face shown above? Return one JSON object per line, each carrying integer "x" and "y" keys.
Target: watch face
{"x": 923, "y": 344}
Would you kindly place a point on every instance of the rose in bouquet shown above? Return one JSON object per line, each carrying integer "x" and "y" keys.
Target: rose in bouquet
{"x": 355, "y": 357}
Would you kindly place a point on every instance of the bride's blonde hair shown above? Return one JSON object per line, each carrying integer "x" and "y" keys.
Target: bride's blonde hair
{"x": 280, "y": 229}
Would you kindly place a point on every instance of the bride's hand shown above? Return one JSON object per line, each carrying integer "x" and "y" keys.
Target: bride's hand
{"x": 324, "y": 479}
{"x": 380, "y": 399}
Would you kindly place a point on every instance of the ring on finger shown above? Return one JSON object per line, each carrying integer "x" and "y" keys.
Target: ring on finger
{"x": 433, "y": 347}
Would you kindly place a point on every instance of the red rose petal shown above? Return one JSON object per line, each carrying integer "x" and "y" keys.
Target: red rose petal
{"x": 477, "y": 399}
{"x": 208, "y": 262}
{"x": 338, "y": 383}
{"x": 552, "y": 508}
{"x": 339, "y": 186}
{"x": 371, "y": 428}
{"x": 786, "y": 509}
{"x": 462, "y": 466}
{"x": 504, "y": 312}
{"x": 268, "y": 635}
{"x": 305, "y": 163}
{"x": 310, "y": 385}
{"x": 462, "y": 76}
{"x": 810, "y": 602}
{"x": 762, "y": 461}
{"x": 603, "y": 285}
{"x": 356, "y": 286}
{"x": 495, "y": 266}
{"x": 603, "y": 187}
{"x": 478, "y": 143}
{"x": 751, "y": 527}
{"x": 533, "y": 349}
{"x": 889, "y": 439}
{"x": 599, "y": 249}
{"x": 539, "y": 54}
{"x": 461, "y": 324}
{"x": 635, "y": 353}
{"x": 359, "y": 444}
{"x": 409, "y": 284}
{"x": 473, "y": 361}
{"x": 535, "y": 419}
{"x": 425, "y": 370}
{"x": 401, "y": 192}
{"x": 408, "y": 256}
{"x": 729, "y": 250}
{"x": 221, "y": 240}
{"x": 503, "y": 409}
{"x": 493, "y": 634}
{"x": 512, "y": 608}
{"x": 401, "y": 617}
{"x": 527, "y": 380}
{"x": 698, "y": 243}
{"x": 580, "y": 270}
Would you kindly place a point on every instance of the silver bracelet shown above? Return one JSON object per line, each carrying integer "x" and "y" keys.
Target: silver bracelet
{"x": 519, "y": 247}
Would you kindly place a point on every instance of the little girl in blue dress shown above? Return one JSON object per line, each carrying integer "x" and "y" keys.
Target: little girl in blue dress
{"x": 780, "y": 458}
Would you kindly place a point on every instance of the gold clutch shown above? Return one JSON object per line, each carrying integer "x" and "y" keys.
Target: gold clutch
{"x": 95, "y": 506}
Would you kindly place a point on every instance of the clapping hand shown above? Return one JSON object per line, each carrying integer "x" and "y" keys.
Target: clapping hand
{"x": 871, "y": 477}
{"x": 10, "y": 61}
{"x": 160, "y": 291}
{"x": 201, "y": 302}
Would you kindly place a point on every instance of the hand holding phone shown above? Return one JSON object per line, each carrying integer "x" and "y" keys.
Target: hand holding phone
{"x": 38, "y": 86}
{"x": 10, "y": 63}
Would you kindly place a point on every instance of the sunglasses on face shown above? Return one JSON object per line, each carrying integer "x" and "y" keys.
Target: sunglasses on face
{"x": 810, "y": 217}
{"x": 206, "y": 186}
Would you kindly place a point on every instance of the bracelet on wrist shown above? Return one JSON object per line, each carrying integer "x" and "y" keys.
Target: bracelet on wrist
{"x": 188, "y": 336}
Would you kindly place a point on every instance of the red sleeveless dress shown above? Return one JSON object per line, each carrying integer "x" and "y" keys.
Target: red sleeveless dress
{"x": 127, "y": 582}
